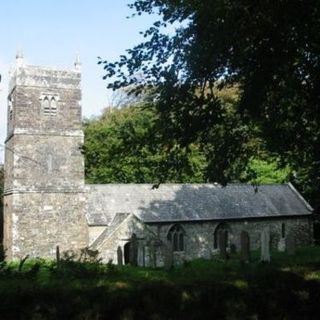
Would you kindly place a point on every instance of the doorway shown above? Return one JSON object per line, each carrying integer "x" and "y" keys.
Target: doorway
{"x": 126, "y": 249}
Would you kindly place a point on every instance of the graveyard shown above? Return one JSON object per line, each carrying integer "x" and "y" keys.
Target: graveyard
{"x": 226, "y": 287}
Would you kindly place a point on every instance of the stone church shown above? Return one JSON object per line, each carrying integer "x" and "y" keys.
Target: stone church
{"x": 48, "y": 204}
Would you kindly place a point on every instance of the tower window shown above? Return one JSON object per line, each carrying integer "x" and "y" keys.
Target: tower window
{"x": 176, "y": 237}
{"x": 10, "y": 109}
{"x": 46, "y": 106}
{"x": 53, "y": 106}
{"x": 49, "y": 105}
{"x": 10, "y": 105}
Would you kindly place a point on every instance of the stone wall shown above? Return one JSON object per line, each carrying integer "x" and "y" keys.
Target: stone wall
{"x": 41, "y": 221}
{"x": 94, "y": 232}
{"x": 199, "y": 236}
{"x": 44, "y": 162}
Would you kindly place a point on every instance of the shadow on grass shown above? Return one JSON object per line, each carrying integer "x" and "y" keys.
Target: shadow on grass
{"x": 288, "y": 288}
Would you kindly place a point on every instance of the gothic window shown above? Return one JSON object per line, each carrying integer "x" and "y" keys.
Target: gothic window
{"x": 176, "y": 237}
{"x": 53, "y": 106}
{"x": 46, "y": 106}
{"x": 49, "y": 105}
{"x": 283, "y": 230}
{"x": 221, "y": 230}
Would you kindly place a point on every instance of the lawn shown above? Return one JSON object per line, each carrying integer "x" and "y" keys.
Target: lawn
{"x": 287, "y": 288}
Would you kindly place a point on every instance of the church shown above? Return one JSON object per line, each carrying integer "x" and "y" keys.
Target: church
{"x": 47, "y": 203}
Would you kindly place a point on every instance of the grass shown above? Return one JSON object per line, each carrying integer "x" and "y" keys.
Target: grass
{"x": 287, "y": 288}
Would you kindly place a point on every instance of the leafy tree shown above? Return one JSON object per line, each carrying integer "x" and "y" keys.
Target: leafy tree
{"x": 270, "y": 49}
{"x": 123, "y": 146}
{"x": 266, "y": 172}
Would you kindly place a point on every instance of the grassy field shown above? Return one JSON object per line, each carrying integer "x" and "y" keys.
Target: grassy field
{"x": 287, "y": 288}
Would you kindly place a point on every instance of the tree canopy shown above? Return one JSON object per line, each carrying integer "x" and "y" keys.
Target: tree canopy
{"x": 269, "y": 49}
{"x": 123, "y": 146}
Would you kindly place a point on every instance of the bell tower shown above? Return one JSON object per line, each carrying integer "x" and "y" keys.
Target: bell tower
{"x": 44, "y": 200}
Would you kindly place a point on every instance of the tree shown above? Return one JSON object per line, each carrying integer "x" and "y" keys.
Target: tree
{"x": 123, "y": 146}
{"x": 269, "y": 49}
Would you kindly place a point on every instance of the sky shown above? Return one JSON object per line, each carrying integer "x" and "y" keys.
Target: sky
{"x": 53, "y": 32}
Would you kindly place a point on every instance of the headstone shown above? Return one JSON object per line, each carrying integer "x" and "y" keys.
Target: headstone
{"x": 58, "y": 256}
{"x": 245, "y": 246}
{"x": 119, "y": 256}
{"x": 222, "y": 237}
{"x": 282, "y": 245}
{"x": 168, "y": 259}
{"x": 233, "y": 249}
{"x": 143, "y": 256}
{"x": 133, "y": 256}
{"x": 153, "y": 257}
{"x": 265, "y": 245}
{"x": 290, "y": 244}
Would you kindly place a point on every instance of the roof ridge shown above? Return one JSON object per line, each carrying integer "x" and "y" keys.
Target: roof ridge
{"x": 188, "y": 183}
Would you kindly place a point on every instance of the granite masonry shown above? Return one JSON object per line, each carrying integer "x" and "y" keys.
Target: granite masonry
{"x": 47, "y": 204}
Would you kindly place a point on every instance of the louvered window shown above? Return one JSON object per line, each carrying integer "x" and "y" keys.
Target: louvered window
{"x": 49, "y": 105}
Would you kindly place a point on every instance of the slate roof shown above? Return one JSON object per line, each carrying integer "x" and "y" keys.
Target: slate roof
{"x": 193, "y": 202}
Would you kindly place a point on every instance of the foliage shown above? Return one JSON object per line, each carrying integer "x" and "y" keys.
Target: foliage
{"x": 270, "y": 49}
{"x": 203, "y": 289}
{"x": 124, "y": 146}
{"x": 266, "y": 172}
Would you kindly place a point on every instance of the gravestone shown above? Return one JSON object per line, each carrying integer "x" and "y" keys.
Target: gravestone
{"x": 265, "y": 245}
{"x": 119, "y": 256}
{"x": 143, "y": 256}
{"x": 153, "y": 257}
{"x": 58, "y": 256}
{"x": 282, "y": 245}
{"x": 245, "y": 246}
{"x": 290, "y": 244}
{"x": 233, "y": 249}
{"x": 133, "y": 255}
{"x": 168, "y": 259}
{"x": 223, "y": 244}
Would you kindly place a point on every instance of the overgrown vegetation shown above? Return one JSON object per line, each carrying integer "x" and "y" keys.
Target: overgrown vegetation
{"x": 288, "y": 288}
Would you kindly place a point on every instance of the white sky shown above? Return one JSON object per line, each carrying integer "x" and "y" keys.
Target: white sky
{"x": 52, "y": 32}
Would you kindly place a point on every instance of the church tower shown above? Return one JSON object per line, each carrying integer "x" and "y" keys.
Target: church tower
{"x": 44, "y": 199}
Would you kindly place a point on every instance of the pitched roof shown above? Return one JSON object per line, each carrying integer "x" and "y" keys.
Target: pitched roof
{"x": 193, "y": 202}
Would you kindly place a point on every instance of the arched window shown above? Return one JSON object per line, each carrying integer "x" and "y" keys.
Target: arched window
{"x": 53, "y": 106}
{"x": 283, "y": 230}
{"x": 176, "y": 237}
{"x": 46, "y": 106}
{"x": 221, "y": 230}
{"x": 49, "y": 105}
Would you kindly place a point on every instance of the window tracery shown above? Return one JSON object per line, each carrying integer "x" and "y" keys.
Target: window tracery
{"x": 176, "y": 237}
